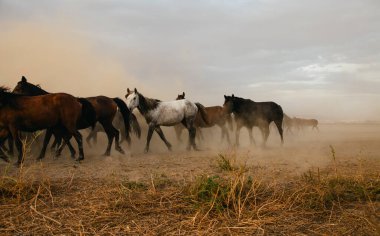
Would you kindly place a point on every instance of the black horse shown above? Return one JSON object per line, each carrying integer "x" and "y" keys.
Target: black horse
{"x": 249, "y": 114}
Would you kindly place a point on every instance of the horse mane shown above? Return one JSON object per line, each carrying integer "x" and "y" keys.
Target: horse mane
{"x": 147, "y": 104}
{"x": 7, "y": 97}
{"x": 4, "y": 89}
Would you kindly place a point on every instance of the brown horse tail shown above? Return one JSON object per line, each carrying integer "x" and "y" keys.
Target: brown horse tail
{"x": 202, "y": 111}
{"x": 129, "y": 119}
{"x": 88, "y": 112}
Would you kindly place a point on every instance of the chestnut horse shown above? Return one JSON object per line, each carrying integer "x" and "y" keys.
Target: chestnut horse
{"x": 59, "y": 111}
{"x": 215, "y": 116}
{"x": 105, "y": 109}
{"x": 249, "y": 114}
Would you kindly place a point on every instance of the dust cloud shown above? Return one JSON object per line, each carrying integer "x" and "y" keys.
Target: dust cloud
{"x": 64, "y": 61}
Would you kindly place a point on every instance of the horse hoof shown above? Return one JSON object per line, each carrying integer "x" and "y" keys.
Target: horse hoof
{"x": 79, "y": 159}
{"x": 146, "y": 150}
{"x": 119, "y": 149}
{"x": 107, "y": 154}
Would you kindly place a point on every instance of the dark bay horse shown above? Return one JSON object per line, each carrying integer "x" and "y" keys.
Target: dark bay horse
{"x": 105, "y": 109}
{"x": 215, "y": 116}
{"x": 57, "y": 111}
{"x": 158, "y": 113}
{"x": 249, "y": 114}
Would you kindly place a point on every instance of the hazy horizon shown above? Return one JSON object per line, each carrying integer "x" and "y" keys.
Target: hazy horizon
{"x": 317, "y": 59}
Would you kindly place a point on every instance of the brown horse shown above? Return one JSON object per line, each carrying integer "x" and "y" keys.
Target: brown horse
{"x": 59, "y": 111}
{"x": 215, "y": 116}
{"x": 105, "y": 109}
{"x": 301, "y": 123}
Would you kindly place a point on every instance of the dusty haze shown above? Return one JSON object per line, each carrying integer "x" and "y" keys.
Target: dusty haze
{"x": 318, "y": 60}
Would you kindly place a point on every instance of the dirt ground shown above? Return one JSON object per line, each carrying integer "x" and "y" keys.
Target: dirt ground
{"x": 302, "y": 150}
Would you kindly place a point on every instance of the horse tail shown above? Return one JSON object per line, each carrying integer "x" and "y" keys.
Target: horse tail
{"x": 203, "y": 113}
{"x": 129, "y": 119}
{"x": 88, "y": 112}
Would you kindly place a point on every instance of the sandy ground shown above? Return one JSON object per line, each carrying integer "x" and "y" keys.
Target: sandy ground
{"x": 303, "y": 150}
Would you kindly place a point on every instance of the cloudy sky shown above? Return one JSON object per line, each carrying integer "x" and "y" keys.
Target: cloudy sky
{"x": 318, "y": 59}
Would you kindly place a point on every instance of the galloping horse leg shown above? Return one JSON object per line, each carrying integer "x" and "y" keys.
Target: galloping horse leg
{"x": 162, "y": 136}
{"x": 237, "y": 133}
{"x": 192, "y": 133}
{"x": 110, "y": 135}
{"x": 200, "y": 134}
{"x": 280, "y": 130}
{"x": 48, "y": 134}
{"x": 117, "y": 142}
{"x": 225, "y": 133}
{"x": 178, "y": 131}
{"x": 91, "y": 135}
{"x": 265, "y": 131}
{"x": 152, "y": 126}
{"x": 251, "y": 139}
{"x": 4, "y": 134}
{"x": 78, "y": 138}
{"x": 62, "y": 145}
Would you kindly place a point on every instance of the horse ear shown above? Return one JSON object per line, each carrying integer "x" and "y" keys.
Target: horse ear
{"x": 233, "y": 95}
{"x": 183, "y": 94}
{"x": 23, "y": 79}
{"x": 128, "y": 91}
{"x": 135, "y": 90}
{"x": 225, "y": 97}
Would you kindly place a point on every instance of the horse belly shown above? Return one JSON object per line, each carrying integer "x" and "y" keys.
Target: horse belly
{"x": 170, "y": 117}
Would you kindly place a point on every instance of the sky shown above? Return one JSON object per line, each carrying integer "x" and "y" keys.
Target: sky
{"x": 317, "y": 59}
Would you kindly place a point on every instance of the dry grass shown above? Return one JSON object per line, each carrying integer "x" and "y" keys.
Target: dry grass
{"x": 238, "y": 200}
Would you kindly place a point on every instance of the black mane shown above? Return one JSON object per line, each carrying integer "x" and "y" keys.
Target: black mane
{"x": 23, "y": 87}
{"x": 8, "y": 98}
{"x": 147, "y": 104}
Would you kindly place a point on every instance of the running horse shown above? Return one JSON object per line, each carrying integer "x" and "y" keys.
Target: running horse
{"x": 158, "y": 113}
{"x": 249, "y": 114}
{"x": 105, "y": 109}
{"x": 215, "y": 116}
{"x": 59, "y": 111}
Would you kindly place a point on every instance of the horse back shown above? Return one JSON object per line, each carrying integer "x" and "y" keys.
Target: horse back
{"x": 103, "y": 106}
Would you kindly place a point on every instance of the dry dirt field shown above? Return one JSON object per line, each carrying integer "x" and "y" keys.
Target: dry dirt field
{"x": 318, "y": 183}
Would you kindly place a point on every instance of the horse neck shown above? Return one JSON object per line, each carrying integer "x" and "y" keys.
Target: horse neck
{"x": 146, "y": 104}
{"x": 35, "y": 91}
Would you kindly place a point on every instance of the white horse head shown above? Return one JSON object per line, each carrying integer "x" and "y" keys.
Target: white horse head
{"x": 132, "y": 99}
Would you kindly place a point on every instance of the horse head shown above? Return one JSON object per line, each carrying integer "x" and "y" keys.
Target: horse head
{"x": 228, "y": 105}
{"x": 181, "y": 96}
{"x": 132, "y": 99}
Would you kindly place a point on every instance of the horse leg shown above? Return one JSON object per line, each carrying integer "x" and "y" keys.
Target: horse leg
{"x": 265, "y": 131}
{"x": 199, "y": 134}
{"x": 152, "y": 126}
{"x": 162, "y": 136}
{"x": 117, "y": 142}
{"x": 251, "y": 138}
{"x": 280, "y": 130}
{"x": 48, "y": 134}
{"x": 78, "y": 138}
{"x": 192, "y": 133}
{"x": 225, "y": 133}
{"x": 91, "y": 135}
{"x": 110, "y": 135}
{"x": 237, "y": 133}
{"x": 4, "y": 134}
{"x": 178, "y": 131}
{"x": 71, "y": 148}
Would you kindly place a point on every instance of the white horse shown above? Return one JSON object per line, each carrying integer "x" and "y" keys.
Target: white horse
{"x": 169, "y": 113}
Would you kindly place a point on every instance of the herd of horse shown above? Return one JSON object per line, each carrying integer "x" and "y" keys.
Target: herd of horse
{"x": 29, "y": 108}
